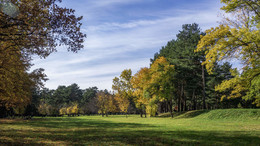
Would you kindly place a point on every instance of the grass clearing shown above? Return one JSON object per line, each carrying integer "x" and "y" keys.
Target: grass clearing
{"x": 199, "y": 128}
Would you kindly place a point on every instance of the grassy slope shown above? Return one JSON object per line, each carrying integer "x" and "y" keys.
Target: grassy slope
{"x": 221, "y": 114}
{"x": 219, "y": 127}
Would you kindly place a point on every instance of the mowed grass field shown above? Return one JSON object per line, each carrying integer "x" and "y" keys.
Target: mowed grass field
{"x": 216, "y": 127}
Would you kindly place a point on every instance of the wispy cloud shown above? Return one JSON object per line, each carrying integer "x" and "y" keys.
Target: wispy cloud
{"x": 115, "y": 43}
{"x": 110, "y": 3}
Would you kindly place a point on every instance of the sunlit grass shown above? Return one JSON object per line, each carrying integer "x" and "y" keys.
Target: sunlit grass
{"x": 189, "y": 128}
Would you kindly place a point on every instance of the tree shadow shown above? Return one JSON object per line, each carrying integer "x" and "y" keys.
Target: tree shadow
{"x": 180, "y": 115}
{"x": 191, "y": 114}
{"x": 97, "y": 132}
{"x": 59, "y": 123}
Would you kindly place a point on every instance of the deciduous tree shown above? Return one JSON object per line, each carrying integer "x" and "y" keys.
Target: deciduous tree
{"x": 29, "y": 27}
{"x": 140, "y": 82}
{"x": 238, "y": 37}
{"x": 123, "y": 89}
{"x": 162, "y": 82}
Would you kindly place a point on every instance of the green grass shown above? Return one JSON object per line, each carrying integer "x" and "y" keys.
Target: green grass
{"x": 217, "y": 127}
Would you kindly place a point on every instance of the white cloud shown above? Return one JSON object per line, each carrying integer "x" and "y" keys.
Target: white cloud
{"x": 109, "y": 3}
{"x": 114, "y": 46}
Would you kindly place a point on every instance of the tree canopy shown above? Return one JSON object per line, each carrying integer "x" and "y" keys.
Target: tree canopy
{"x": 27, "y": 28}
{"x": 238, "y": 38}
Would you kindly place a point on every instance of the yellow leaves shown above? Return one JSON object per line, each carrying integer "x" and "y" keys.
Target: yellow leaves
{"x": 152, "y": 109}
{"x": 153, "y": 85}
{"x": 15, "y": 83}
{"x": 73, "y": 109}
{"x": 124, "y": 89}
{"x": 234, "y": 84}
{"x": 225, "y": 42}
{"x": 123, "y": 103}
{"x": 106, "y": 102}
{"x": 63, "y": 111}
{"x": 162, "y": 74}
{"x": 215, "y": 44}
{"x": 140, "y": 82}
{"x": 239, "y": 38}
{"x": 43, "y": 108}
{"x": 246, "y": 86}
{"x": 250, "y": 5}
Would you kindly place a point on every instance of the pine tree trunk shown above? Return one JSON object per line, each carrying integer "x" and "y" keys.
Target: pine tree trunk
{"x": 185, "y": 102}
{"x": 203, "y": 87}
{"x": 179, "y": 101}
{"x": 194, "y": 100}
{"x": 170, "y": 106}
{"x": 182, "y": 100}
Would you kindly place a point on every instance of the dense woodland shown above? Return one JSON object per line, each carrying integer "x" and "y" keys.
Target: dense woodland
{"x": 191, "y": 72}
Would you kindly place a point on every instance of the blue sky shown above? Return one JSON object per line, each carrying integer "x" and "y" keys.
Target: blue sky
{"x": 122, "y": 34}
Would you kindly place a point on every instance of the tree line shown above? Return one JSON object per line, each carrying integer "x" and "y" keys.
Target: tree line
{"x": 191, "y": 72}
{"x": 69, "y": 100}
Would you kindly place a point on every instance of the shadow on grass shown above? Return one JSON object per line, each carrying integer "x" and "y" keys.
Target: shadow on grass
{"x": 74, "y": 131}
{"x": 191, "y": 114}
{"x": 70, "y": 122}
{"x": 180, "y": 115}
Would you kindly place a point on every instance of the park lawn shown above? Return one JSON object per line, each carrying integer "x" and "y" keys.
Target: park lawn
{"x": 196, "y": 128}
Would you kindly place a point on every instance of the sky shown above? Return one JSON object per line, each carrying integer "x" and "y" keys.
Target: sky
{"x": 122, "y": 34}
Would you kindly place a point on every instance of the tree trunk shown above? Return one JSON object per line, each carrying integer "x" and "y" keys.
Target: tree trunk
{"x": 145, "y": 111}
{"x": 203, "y": 87}
{"x": 194, "y": 100}
{"x": 185, "y": 102}
{"x": 179, "y": 103}
{"x": 182, "y": 93}
{"x": 170, "y": 106}
{"x": 141, "y": 112}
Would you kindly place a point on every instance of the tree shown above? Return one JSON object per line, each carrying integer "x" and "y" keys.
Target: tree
{"x": 220, "y": 74}
{"x": 123, "y": 103}
{"x": 124, "y": 90}
{"x": 16, "y": 83}
{"x": 238, "y": 38}
{"x": 60, "y": 97}
{"x": 29, "y": 27}
{"x": 189, "y": 74}
{"x": 73, "y": 109}
{"x": 88, "y": 103}
{"x": 140, "y": 82}
{"x": 39, "y": 27}
{"x": 43, "y": 108}
{"x": 88, "y": 94}
{"x": 75, "y": 94}
{"x": 162, "y": 82}
{"x": 105, "y": 103}
{"x": 63, "y": 111}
